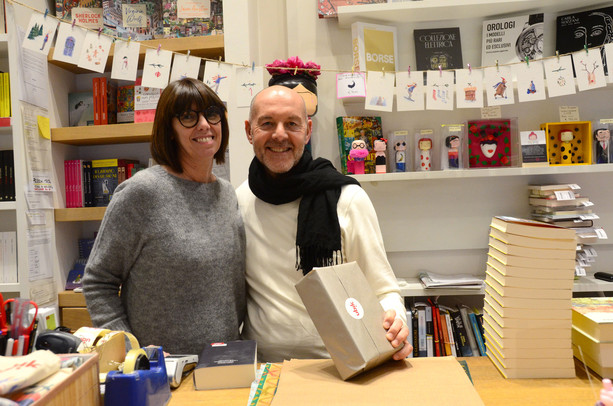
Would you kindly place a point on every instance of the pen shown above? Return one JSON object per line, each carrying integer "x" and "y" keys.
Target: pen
{"x": 20, "y": 343}
{"x": 9, "y": 347}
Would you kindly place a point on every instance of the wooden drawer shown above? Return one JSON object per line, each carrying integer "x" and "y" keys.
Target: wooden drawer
{"x": 68, "y": 298}
{"x": 75, "y": 318}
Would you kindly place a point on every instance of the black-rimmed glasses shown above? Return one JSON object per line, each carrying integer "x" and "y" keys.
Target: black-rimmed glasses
{"x": 189, "y": 118}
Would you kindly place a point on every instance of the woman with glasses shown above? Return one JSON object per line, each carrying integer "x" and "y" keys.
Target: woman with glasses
{"x": 172, "y": 239}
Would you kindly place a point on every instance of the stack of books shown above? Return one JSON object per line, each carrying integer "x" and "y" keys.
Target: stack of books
{"x": 528, "y": 293}
{"x": 592, "y": 333}
{"x": 564, "y": 205}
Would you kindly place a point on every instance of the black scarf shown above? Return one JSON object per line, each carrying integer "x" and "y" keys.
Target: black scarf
{"x": 318, "y": 236}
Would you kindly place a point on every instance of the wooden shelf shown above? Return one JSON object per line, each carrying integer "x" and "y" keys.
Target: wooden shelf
{"x": 208, "y": 46}
{"x": 483, "y": 173}
{"x": 80, "y": 214}
{"x": 442, "y": 10}
{"x": 10, "y": 205}
{"x": 103, "y": 134}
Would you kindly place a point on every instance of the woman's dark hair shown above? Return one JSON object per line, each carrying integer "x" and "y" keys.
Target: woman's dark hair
{"x": 177, "y": 97}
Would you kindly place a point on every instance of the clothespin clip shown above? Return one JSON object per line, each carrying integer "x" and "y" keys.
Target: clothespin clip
{"x": 440, "y": 71}
{"x": 73, "y": 22}
{"x": 497, "y": 69}
{"x": 159, "y": 48}
{"x": 129, "y": 39}
{"x": 470, "y": 70}
{"x": 558, "y": 55}
{"x": 585, "y": 47}
{"x": 46, "y": 12}
{"x": 188, "y": 52}
{"x": 352, "y": 69}
{"x": 295, "y": 70}
{"x": 99, "y": 31}
{"x": 219, "y": 62}
{"x": 253, "y": 66}
{"x": 527, "y": 61}
{"x": 409, "y": 70}
{"x": 383, "y": 70}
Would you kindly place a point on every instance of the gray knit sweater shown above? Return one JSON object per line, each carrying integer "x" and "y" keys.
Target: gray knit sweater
{"x": 177, "y": 249}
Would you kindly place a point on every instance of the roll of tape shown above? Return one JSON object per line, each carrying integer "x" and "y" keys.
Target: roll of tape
{"x": 136, "y": 360}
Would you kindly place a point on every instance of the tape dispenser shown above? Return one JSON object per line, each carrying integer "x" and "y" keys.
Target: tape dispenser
{"x": 142, "y": 382}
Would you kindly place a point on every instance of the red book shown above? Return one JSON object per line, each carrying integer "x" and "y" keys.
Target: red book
{"x": 97, "y": 104}
{"x": 104, "y": 109}
{"x": 435, "y": 322}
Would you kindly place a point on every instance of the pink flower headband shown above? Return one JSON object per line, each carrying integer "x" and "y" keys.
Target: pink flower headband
{"x": 294, "y": 66}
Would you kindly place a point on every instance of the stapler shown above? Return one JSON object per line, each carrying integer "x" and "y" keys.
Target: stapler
{"x": 178, "y": 366}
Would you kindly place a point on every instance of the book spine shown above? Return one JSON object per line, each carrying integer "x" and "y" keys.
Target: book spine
{"x": 97, "y": 108}
{"x": 469, "y": 332}
{"x": 11, "y": 175}
{"x": 430, "y": 332}
{"x": 415, "y": 328}
{"x": 409, "y": 316}
{"x": 450, "y": 334}
{"x": 477, "y": 332}
{"x": 2, "y": 169}
{"x": 80, "y": 189}
{"x": 446, "y": 341}
{"x": 341, "y": 144}
{"x": 104, "y": 109}
{"x": 462, "y": 337}
{"x": 423, "y": 344}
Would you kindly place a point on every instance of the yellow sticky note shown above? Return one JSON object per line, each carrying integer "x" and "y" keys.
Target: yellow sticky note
{"x": 43, "y": 127}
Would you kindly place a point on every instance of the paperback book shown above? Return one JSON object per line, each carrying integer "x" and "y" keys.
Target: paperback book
{"x": 225, "y": 365}
{"x": 438, "y": 48}
{"x": 81, "y": 109}
{"x": 374, "y": 47}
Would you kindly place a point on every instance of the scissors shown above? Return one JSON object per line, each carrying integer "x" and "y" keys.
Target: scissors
{"x": 20, "y": 322}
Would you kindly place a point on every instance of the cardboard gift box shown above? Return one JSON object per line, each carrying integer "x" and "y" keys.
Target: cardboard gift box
{"x": 348, "y": 317}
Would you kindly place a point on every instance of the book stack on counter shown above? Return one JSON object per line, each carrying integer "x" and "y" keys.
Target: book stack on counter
{"x": 564, "y": 205}
{"x": 592, "y": 333}
{"x": 528, "y": 293}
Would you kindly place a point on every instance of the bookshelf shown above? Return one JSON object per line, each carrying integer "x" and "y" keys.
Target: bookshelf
{"x": 103, "y": 134}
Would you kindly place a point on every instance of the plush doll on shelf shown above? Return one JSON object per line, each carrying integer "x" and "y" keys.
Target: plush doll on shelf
{"x": 358, "y": 155}
{"x": 452, "y": 143}
{"x": 602, "y": 137}
{"x": 425, "y": 145}
{"x": 566, "y": 136}
{"x": 380, "y": 148}
{"x": 401, "y": 156}
{"x": 297, "y": 75}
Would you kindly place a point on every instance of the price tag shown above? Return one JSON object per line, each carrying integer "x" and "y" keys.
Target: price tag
{"x": 587, "y": 204}
{"x": 491, "y": 112}
{"x": 569, "y": 113}
{"x": 589, "y": 251}
{"x": 564, "y": 195}
{"x": 574, "y": 186}
{"x": 579, "y": 271}
{"x": 601, "y": 233}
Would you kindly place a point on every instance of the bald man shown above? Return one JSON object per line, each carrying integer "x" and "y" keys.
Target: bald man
{"x": 301, "y": 213}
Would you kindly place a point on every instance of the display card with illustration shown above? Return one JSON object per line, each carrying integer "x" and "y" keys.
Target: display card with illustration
{"x": 589, "y": 70}
{"x": 184, "y": 66}
{"x": 69, "y": 43}
{"x": 530, "y": 81}
{"x": 350, "y": 84}
{"x": 559, "y": 74}
{"x": 439, "y": 90}
{"x": 156, "y": 68}
{"x": 95, "y": 52}
{"x": 218, "y": 76}
{"x": 469, "y": 88}
{"x": 499, "y": 85}
{"x": 249, "y": 81}
{"x": 410, "y": 91}
{"x": 40, "y": 33}
{"x": 125, "y": 60}
{"x": 379, "y": 91}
